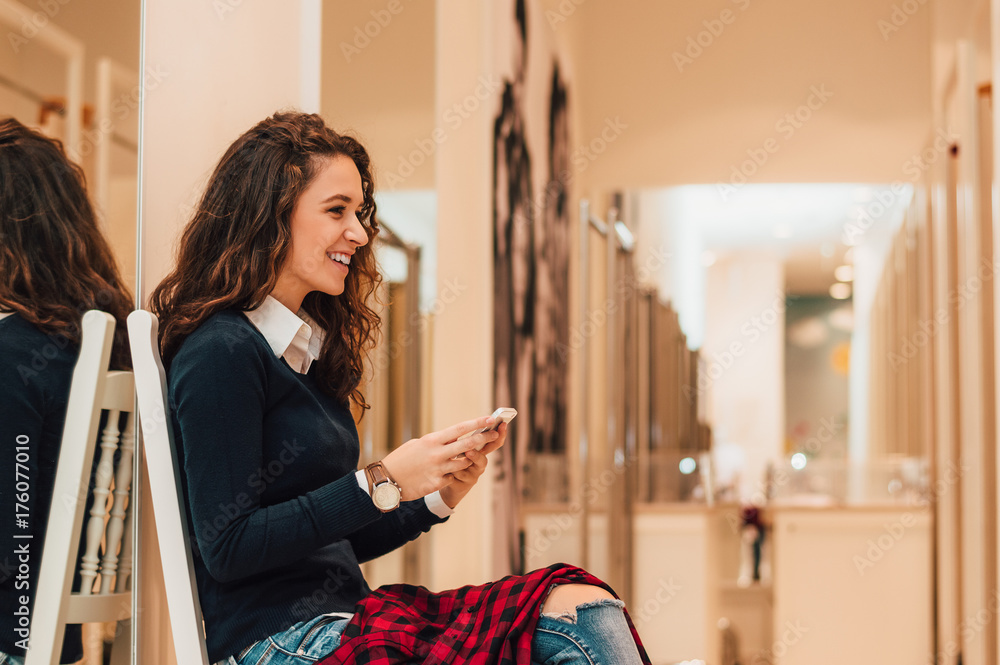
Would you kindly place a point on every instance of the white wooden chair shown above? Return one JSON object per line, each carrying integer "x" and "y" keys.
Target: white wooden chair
{"x": 165, "y": 490}
{"x": 92, "y": 390}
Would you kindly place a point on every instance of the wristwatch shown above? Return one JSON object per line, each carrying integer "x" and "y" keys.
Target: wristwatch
{"x": 384, "y": 491}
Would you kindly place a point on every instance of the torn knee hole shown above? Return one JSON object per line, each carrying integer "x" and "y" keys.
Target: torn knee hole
{"x": 571, "y": 616}
{"x": 568, "y": 617}
{"x": 601, "y": 602}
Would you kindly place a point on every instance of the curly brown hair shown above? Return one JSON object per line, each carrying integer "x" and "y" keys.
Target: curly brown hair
{"x": 238, "y": 240}
{"x": 55, "y": 263}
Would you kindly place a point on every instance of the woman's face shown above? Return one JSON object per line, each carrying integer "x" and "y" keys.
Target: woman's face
{"x": 325, "y": 234}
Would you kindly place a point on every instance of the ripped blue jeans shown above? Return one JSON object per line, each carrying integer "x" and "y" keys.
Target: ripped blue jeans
{"x": 596, "y": 634}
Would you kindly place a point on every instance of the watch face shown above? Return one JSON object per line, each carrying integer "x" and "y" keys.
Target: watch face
{"x": 386, "y": 496}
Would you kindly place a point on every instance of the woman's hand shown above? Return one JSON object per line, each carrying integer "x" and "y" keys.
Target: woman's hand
{"x": 425, "y": 465}
{"x": 467, "y": 477}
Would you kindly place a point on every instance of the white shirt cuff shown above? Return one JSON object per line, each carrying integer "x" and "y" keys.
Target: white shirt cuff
{"x": 434, "y": 502}
{"x": 436, "y": 505}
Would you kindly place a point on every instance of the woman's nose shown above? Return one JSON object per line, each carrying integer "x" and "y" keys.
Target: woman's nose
{"x": 358, "y": 233}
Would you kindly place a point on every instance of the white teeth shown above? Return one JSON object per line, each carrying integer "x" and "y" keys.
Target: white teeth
{"x": 342, "y": 258}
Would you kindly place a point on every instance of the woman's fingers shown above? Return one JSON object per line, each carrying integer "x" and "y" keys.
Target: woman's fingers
{"x": 479, "y": 463}
{"x": 479, "y": 440}
{"x": 497, "y": 442}
{"x": 471, "y": 473}
{"x": 437, "y": 459}
{"x": 450, "y": 434}
{"x": 455, "y": 466}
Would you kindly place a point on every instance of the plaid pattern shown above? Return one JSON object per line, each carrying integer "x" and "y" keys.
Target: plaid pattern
{"x": 487, "y": 624}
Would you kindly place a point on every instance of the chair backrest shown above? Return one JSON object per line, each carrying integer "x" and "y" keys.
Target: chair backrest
{"x": 165, "y": 490}
{"x": 93, "y": 389}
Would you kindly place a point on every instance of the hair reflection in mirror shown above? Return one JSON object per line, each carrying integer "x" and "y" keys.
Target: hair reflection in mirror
{"x": 55, "y": 263}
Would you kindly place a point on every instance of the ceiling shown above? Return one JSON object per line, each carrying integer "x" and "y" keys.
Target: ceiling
{"x": 788, "y": 91}
{"x": 809, "y": 226}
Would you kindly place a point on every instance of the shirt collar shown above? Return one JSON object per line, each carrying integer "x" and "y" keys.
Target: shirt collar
{"x": 294, "y": 337}
{"x": 4, "y": 315}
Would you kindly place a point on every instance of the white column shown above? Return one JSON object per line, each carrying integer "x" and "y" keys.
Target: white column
{"x": 213, "y": 70}
{"x": 218, "y": 68}
{"x": 462, "y": 366}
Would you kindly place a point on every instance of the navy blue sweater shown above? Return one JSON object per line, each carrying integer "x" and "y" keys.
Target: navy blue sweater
{"x": 279, "y": 523}
{"x": 36, "y": 370}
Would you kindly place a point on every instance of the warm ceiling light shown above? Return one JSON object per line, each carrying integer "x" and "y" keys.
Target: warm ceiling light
{"x": 840, "y": 291}
{"x": 844, "y": 273}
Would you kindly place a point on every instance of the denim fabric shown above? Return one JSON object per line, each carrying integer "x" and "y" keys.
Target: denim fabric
{"x": 7, "y": 659}
{"x": 597, "y": 634}
{"x": 302, "y": 644}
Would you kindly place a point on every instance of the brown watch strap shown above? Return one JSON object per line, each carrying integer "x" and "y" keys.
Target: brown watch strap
{"x": 377, "y": 474}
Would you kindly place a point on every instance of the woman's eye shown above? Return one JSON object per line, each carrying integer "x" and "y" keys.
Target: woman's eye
{"x": 338, "y": 210}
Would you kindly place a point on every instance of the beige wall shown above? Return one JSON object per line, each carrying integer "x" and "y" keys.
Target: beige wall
{"x": 237, "y": 78}
{"x": 378, "y": 84}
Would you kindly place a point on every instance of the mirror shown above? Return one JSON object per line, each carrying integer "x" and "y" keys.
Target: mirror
{"x": 74, "y": 75}
{"x": 70, "y": 70}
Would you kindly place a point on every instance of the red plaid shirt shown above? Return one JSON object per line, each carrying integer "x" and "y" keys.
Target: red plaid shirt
{"x": 488, "y": 624}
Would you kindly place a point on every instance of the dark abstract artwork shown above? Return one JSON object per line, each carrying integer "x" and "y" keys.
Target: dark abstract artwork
{"x": 531, "y": 297}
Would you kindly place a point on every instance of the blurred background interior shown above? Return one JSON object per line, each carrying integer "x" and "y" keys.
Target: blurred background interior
{"x": 732, "y": 261}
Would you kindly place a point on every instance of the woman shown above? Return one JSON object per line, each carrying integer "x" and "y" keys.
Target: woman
{"x": 265, "y": 327}
{"x": 54, "y": 265}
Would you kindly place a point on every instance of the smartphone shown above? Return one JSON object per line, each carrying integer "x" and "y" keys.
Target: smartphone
{"x": 503, "y": 415}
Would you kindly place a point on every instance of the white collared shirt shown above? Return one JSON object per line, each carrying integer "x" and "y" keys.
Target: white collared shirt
{"x": 298, "y": 339}
{"x": 294, "y": 337}
{"x": 4, "y": 315}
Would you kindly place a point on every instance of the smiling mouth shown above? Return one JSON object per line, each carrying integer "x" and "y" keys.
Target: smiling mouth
{"x": 341, "y": 259}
